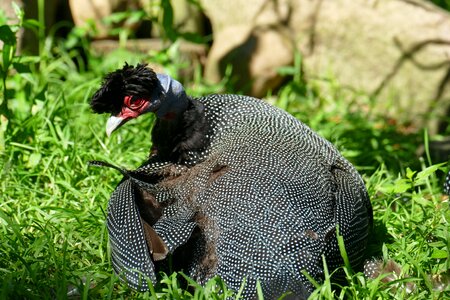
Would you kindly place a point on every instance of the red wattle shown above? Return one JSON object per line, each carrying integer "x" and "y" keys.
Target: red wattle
{"x": 133, "y": 107}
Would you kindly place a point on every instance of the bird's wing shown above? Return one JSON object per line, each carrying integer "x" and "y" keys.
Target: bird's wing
{"x": 129, "y": 251}
{"x": 174, "y": 232}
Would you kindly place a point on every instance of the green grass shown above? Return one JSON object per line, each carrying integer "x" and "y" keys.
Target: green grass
{"x": 53, "y": 237}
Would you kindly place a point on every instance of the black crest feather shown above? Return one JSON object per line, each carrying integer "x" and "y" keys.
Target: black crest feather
{"x": 128, "y": 81}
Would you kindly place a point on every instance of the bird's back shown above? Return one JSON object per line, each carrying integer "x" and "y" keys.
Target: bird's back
{"x": 271, "y": 192}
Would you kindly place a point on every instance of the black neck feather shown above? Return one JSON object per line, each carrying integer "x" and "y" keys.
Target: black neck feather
{"x": 174, "y": 139}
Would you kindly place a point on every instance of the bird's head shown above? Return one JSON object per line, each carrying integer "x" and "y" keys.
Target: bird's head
{"x": 132, "y": 91}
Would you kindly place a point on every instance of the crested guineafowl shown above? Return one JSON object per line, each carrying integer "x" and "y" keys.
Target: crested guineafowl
{"x": 243, "y": 188}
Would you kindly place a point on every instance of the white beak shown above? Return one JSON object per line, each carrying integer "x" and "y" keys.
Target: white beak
{"x": 113, "y": 123}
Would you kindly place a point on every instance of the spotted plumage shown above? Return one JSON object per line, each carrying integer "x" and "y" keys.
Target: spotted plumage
{"x": 447, "y": 184}
{"x": 264, "y": 192}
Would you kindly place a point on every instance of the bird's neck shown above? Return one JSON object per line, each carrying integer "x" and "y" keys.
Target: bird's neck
{"x": 186, "y": 132}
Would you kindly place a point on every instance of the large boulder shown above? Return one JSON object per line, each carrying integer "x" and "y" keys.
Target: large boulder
{"x": 398, "y": 51}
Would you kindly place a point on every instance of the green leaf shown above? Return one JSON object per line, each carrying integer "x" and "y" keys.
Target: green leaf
{"x": 436, "y": 244}
{"x": 7, "y": 35}
{"x": 195, "y": 37}
{"x": 21, "y": 68}
{"x": 30, "y": 59}
{"x": 342, "y": 249}
{"x": 135, "y": 17}
{"x": 284, "y": 71}
{"x": 438, "y": 253}
{"x": 423, "y": 175}
{"x": 116, "y": 18}
{"x": 3, "y": 129}
{"x": 32, "y": 24}
{"x": 401, "y": 186}
{"x": 410, "y": 173}
{"x": 34, "y": 160}
{"x": 7, "y": 55}
{"x": 259, "y": 290}
{"x": 13, "y": 225}
{"x": 167, "y": 20}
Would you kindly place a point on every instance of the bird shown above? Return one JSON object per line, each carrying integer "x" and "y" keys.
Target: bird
{"x": 239, "y": 189}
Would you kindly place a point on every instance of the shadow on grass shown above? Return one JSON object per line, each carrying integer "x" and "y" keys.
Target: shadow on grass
{"x": 378, "y": 236}
{"x": 382, "y": 141}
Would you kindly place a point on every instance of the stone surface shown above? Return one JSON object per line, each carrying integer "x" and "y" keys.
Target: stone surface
{"x": 398, "y": 51}
{"x": 95, "y": 11}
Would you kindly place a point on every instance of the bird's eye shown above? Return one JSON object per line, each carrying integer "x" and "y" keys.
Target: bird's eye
{"x": 133, "y": 102}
